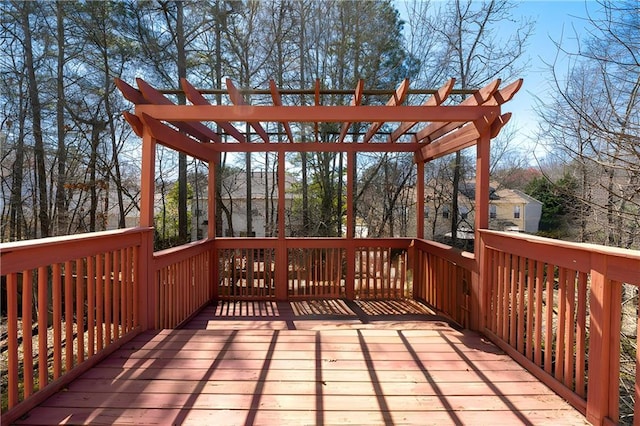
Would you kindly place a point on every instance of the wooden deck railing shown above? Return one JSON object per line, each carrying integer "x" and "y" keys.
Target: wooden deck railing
{"x": 182, "y": 282}
{"x": 553, "y": 306}
{"x": 70, "y": 301}
{"x": 442, "y": 278}
{"x": 556, "y": 308}
{"x": 312, "y": 268}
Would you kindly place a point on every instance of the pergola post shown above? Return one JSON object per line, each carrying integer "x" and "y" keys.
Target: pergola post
{"x": 420, "y": 199}
{"x": 211, "y": 225}
{"x": 146, "y": 272}
{"x": 350, "y": 275}
{"x": 282, "y": 264}
{"x": 479, "y": 276}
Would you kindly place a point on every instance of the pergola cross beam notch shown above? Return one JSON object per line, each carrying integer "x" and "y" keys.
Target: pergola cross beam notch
{"x": 442, "y": 126}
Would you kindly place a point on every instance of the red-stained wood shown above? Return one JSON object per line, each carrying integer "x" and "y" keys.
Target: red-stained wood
{"x": 57, "y": 320}
{"x": 439, "y": 128}
{"x": 12, "y": 338}
{"x": 91, "y": 306}
{"x": 277, "y": 101}
{"x": 79, "y": 296}
{"x": 530, "y": 306}
{"x": 43, "y": 373}
{"x": 318, "y": 114}
{"x": 357, "y": 376}
{"x": 636, "y": 391}
{"x": 356, "y": 100}
{"x": 176, "y": 140}
{"x": 198, "y": 130}
{"x": 115, "y": 297}
{"x": 30, "y": 254}
{"x": 537, "y": 357}
{"x": 436, "y": 99}
{"x": 196, "y": 98}
{"x": 561, "y": 321}
{"x": 27, "y": 331}
{"x": 68, "y": 314}
{"x": 237, "y": 99}
{"x": 99, "y": 302}
{"x": 396, "y": 99}
{"x": 108, "y": 283}
{"x": 581, "y": 346}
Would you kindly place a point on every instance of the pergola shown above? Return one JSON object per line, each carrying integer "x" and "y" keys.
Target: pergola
{"x": 433, "y": 129}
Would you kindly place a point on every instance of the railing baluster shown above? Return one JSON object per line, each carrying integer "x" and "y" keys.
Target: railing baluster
{"x": 100, "y": 302}
{"x": 530, "y": 308}
{"x": 12, "y": 337}
{"x": 68, "y": 315}
{"x": 91, "y": 307}
{"x": 27, "y": 327}
{"x": 539, "y": 319}
{"x": 108, "y": 272}
{"x": 569, "y": 375}
{"x": 581, "y": 349}
{"x": 561, "y": 328}
{"x": 57, "y": 321}
{"x": 43, "y": 370}
{"x": 80, "y": 310}
{"x": 548, "y": 333}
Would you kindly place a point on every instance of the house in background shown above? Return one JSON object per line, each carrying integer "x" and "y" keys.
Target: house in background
{"x": 264, "y": 203}
{"x": 509, "y": 210}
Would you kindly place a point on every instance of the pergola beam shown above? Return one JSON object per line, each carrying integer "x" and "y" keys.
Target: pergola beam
{"x": 277, "y": 101}
{"x": 196, "y": 98}
{"x": 355, "y": 101}
{"x": 178, "y": 141}
{"x": 396, "y": 99}
{"x": 199, "y": 130}
{"x": 237, "y": 99}
{"x": 465, "y": 137}
{"x": 318, "y": 114}
{"x": 434, "y": 100}
{"x": 435, "y": 130}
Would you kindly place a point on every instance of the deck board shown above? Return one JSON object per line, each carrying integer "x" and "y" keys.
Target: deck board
{"x": 307, "y": 370}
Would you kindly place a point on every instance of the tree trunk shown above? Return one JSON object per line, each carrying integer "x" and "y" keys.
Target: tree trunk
{"x": 183, "y": 234}
{"x": 61, "y": 202}
{"x": 36, "y": 110}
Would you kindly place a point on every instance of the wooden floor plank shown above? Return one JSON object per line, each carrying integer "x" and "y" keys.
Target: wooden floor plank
{"x": 226, "y": 373}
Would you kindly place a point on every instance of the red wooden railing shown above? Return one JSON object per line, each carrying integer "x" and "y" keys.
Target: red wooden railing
{"x": 182, "y": 282}
{"x": 442, "y": 278}
{"x": 300, "y": 268}
{"x": 555, "y": 307}
{"x": 81, "y": 295}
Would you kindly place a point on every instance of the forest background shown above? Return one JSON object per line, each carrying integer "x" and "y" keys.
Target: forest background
{"x": 70, "y": 163}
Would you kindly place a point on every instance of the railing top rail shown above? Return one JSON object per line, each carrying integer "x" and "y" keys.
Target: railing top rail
{"x": 621, "y": 264}
{"x": 22, "y": 255}
{"x": 52, "y": 241}
{"x": 463, "y": 258}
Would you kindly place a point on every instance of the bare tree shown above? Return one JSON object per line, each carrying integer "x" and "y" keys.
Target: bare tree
{"x": 593, "y": 124}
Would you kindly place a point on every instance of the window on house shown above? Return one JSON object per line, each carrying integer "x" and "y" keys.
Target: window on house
{"x": 516, "y": 212}
{"x": 464, "y": 212}
{"x": 493, "y": 211}
{"x": 426, "y": 211}
{"x": 445, "y": 212}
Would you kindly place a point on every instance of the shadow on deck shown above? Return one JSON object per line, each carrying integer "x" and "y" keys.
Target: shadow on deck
{"x": 308, "y": 362}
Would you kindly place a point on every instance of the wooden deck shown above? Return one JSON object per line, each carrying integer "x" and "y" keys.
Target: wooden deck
{"x": 322, "y": 362}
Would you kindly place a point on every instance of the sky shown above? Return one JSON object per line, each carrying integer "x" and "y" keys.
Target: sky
{"x": 555, "y": 21}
